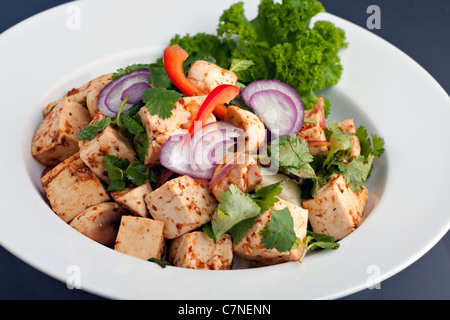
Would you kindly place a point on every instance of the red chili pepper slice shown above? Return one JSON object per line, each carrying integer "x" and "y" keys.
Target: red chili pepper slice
{"x": 173, "y": 59}
{"x": 220, "y": 95}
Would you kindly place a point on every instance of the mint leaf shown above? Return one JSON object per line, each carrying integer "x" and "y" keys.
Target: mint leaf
{"x": 160, "y": 101}
{"x": 115, "y": 167}
{"x": 91, "y": 131}
{"x": 279, "y": 232}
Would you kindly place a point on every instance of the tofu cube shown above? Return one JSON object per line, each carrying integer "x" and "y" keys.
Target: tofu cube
{"x": 87, "y": 94}
{"x": 183, "y": 204}
{"x": 72, "y": 187}
{"x": 195, "y": 250}
{"x": 108, "y": 143}
{"x": 240, "y": 169}
{"x": 133, "y": 199}
{"x": 251, "y": 247}
{"x": 159, "y": 130}
{"x": 100, "y": 222}
{"x": 336, "y": 210}
{"x": 140, "y": 237}
{"x": 206, "y": 76}
{"x": 313, "y": 133}
{"x": 55, "y": 139}
{"x": 252, "y": 126}
{"x": 348, "y": 126}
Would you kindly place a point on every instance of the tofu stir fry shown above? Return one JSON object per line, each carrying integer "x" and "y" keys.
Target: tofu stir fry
{"x": 180, "y": 162}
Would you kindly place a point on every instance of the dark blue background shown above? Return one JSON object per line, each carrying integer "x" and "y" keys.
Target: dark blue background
{"x": 420, "y": 28}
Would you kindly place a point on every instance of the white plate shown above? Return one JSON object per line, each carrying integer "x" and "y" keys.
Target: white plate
{"x": 382, "y": 88}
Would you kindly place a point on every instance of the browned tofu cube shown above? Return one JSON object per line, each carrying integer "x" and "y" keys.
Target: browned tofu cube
{"x": 251, "y": 247}
{"x": 336, "y": 210}
{"x": 183, "y": 203}
{"x": 206, "y": 76}
{"x": 55, "y": 138}
{"x": 108, "y": 143}
{"x": 133, "y": 199}
{"x": 159, "y": 130}
{"x": 71, "y": 187}
{"x": 195, "y": 250}
{"x": 313, "y": 133}
{"x": 140, "y": 237}
{"x": 87, "y": 94}
{"x": 100, "y": 222}
{"x": 239, "y": 169}
{"x": 349, "y": 126}
{"x": 252, "y": 126}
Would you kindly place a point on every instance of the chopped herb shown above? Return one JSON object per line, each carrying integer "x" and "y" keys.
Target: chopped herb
{"x": 161, "y": 263}
{"x": 160, "y": 101}
{"x": 279, "y": 232}
{"x": 93, "y": 130}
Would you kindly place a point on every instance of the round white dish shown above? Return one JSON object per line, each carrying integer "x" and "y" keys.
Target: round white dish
{"x": 381, "y": 88}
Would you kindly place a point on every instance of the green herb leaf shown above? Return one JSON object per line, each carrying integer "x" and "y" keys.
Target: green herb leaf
{"x": 239, "y": 65}
{"x": 265, "y": 197}
{"x": 291, "y": 155}
{"x": 161, "y": 263}
{"x": 137, "y": 173}
{"x": 234, "y": 207}
{"x": 158, "y": 76}
{"x": 279, "y": 232}
{"x": 160, "y": 101}
{"x": 356, "y": 171}
{"x": 319, "y": 240}
{"x": 91, "y": 131}
{"x": 133, "y": 67}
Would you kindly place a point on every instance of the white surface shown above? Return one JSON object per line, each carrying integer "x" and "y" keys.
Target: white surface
{"x": 381, "y": 88}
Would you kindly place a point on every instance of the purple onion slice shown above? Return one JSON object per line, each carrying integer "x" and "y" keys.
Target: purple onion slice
{"x": 277, "y": 110}
{"x": 111, "y": 97}
{"x": 261, "y": 85}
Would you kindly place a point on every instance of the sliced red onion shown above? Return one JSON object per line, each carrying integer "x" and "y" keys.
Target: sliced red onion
{"x": 207, "y": 147}
{"x": 261, "y": 85}
{"x": 175, "y": 157}
{"x": 135, "y": 92}
{"x": 277, "y": 110}
{"x": 204, "y": 151}
{"x": 112, "y": 95}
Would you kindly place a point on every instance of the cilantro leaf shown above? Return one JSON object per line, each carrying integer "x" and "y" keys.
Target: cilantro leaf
{"x": 160, "y": 101}
{"x": 137, "y": 173}
{"x": 158, "y": 76}
{"x": 279, "y": 232}
{"x": 234, "y": 207}
{"x": 374, "y": 146}
{"x": 291, "y": 155}
{"x": 265, "y": 197}
{"x": 91, "y": 131}
{"x": 341, "y": 140}
{"x": 319, "y": 240}
{"x": 356, "y": 171}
